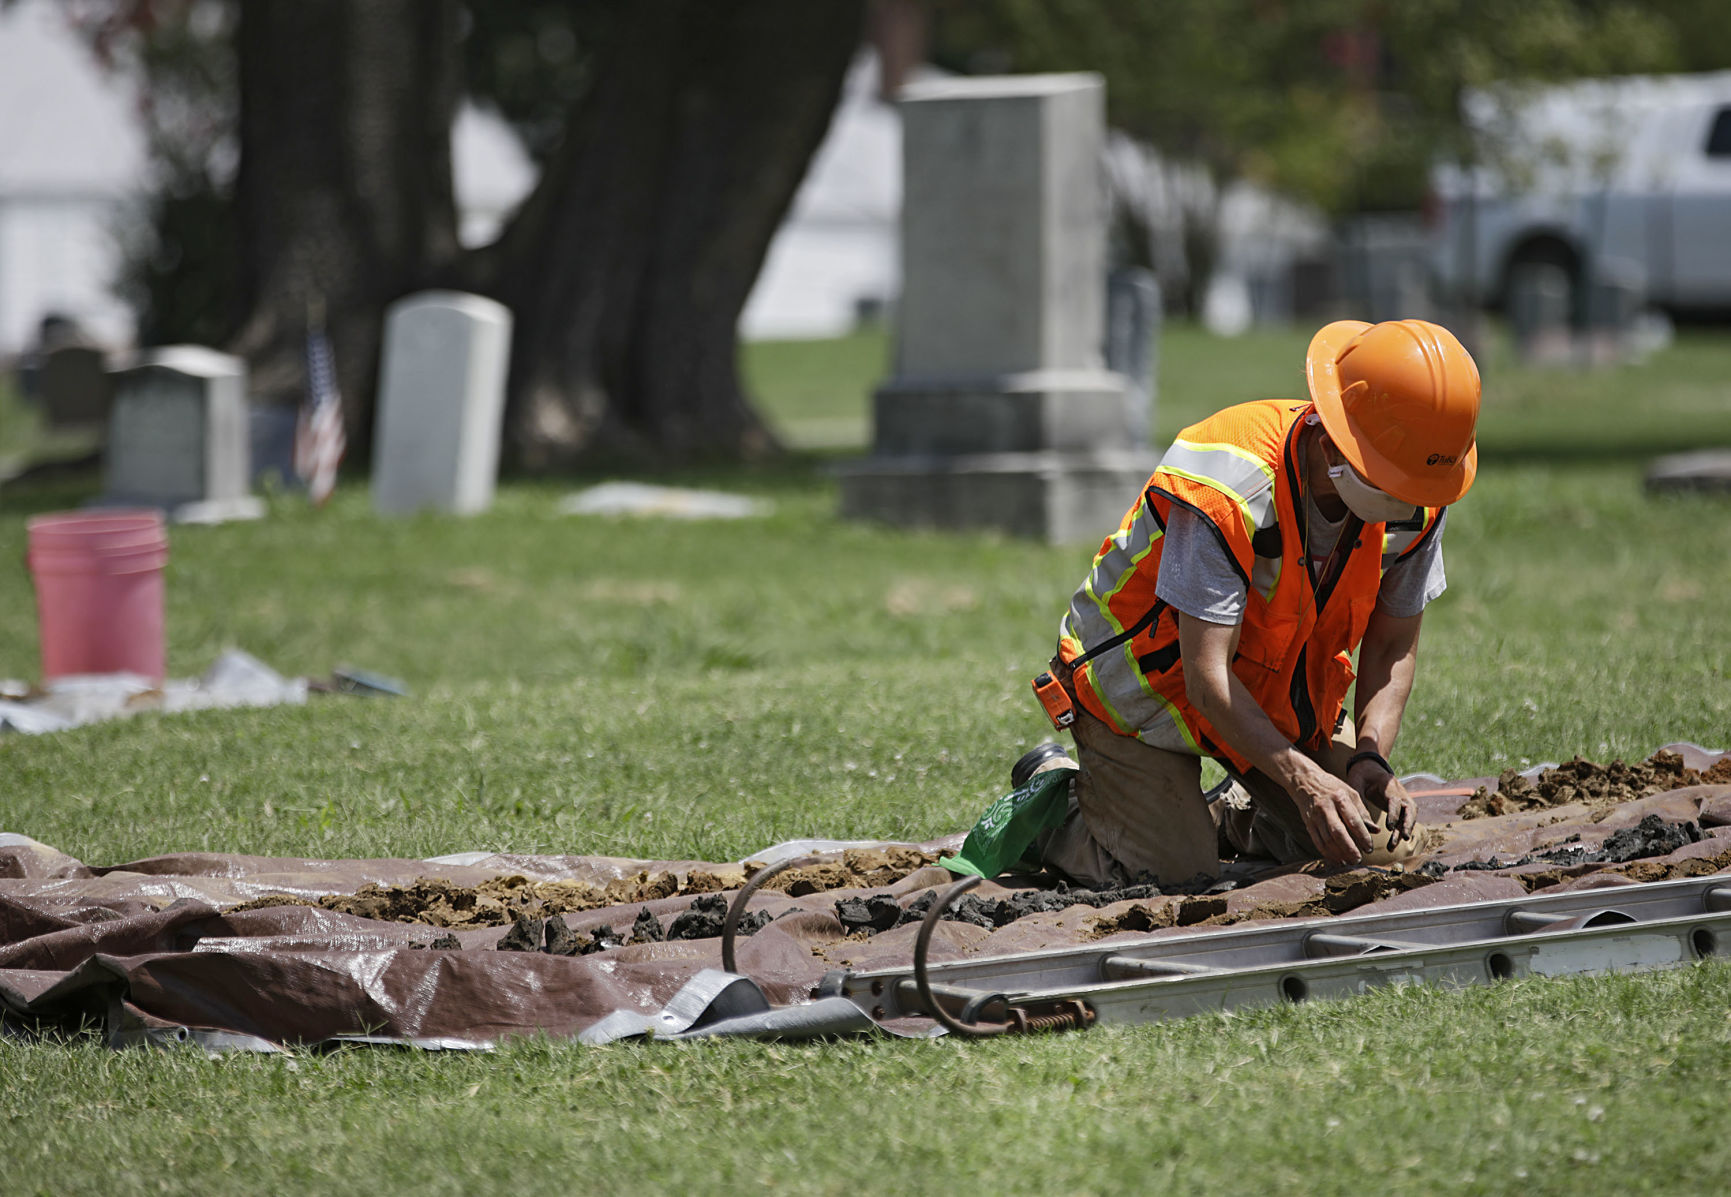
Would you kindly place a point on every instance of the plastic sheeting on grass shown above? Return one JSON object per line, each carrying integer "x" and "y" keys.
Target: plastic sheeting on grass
{"x": 236, "y": 679}
{"x": 164, "y": 950}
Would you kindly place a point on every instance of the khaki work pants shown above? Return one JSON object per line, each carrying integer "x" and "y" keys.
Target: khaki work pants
{"x": 1137, "y": 814}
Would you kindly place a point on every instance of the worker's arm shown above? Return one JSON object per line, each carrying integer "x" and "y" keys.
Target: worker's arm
{"x": 1387, "y": 661}
{"x": 1333, "y": 812}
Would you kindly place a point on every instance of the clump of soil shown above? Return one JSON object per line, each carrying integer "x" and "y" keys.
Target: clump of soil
{"x": 552, "y": 936}
{"x": 868, "y": 915}
{"x": 1638, "y": 871}
{"x": 500, "y": 900}
{"x": 874, "y": 913}
{"x": 647, "y": 928}
{"x": 858, "y": 868}
{"x": 704, "y": 919}
{"x": 1341, "y": 893}
{"x": 1599, "y": 787}
{"x": 443, "y": 943}
{"x": 1187, "y": 913}
{"x": 1652, "y": 836}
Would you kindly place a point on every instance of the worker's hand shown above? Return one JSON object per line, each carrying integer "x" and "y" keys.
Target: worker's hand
{"x": 1334, "y": 815}
{"x": 1381, "y": 789}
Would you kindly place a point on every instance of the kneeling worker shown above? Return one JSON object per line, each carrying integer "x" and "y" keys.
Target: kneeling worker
{"x": 1220, "y": 619}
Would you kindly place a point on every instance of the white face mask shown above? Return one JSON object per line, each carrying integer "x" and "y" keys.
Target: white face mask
{"x": 1364, "y": 500}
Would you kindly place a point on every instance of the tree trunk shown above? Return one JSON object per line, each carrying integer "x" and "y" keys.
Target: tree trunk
{"x": 344, "y": 192}
{"x": 628, "y": 267}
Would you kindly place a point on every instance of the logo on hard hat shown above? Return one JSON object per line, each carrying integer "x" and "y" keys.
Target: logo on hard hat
{"x": 1440, "y": 459}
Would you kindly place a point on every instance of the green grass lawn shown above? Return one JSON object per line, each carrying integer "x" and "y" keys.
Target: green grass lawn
{"x": 662, "y": 689}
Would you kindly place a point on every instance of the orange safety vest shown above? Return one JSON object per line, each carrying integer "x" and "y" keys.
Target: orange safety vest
{"x": 1239, "y": 470}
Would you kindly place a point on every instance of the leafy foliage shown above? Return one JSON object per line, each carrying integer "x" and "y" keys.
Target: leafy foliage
{"x": 1343, "y": 102}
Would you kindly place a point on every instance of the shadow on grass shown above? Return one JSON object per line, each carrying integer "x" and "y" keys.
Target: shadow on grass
{"x": 53, "y": 489}
{"x": 788, "y": 472}
{"x": 65, "y": 486}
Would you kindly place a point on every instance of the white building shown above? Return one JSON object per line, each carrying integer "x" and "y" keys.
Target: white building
{"x": 71, "y": 153}
{"x": 836, "y": 254}
{"x": 73, "y": 160}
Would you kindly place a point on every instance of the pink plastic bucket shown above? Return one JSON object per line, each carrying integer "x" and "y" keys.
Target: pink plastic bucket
{"x": 99, "y": 594}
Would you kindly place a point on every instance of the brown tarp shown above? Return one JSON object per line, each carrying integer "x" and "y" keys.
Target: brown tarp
{"x": 146, "y": 949}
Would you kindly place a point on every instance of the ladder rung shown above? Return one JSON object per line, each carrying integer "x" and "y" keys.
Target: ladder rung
{"x": 1326, "y": 943}
{"x": 1523, "y": 922}
{"x": 1123, "y": 968}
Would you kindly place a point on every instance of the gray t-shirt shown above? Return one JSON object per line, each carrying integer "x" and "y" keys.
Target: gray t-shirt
{"x": 1197, "y": 576}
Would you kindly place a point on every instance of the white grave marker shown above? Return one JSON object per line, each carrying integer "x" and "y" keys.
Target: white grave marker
{"x": 441, "y": 400}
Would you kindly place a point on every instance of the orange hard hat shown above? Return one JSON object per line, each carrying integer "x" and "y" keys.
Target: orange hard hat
{"x": 1400, "y": 400}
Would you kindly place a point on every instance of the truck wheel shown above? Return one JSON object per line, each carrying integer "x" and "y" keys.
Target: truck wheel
{"x": 1541, "y": 280}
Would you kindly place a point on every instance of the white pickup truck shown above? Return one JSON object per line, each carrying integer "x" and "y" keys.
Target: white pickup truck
{"x": 1626, "y": 178}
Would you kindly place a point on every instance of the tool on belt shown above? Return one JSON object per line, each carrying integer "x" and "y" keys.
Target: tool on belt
{"x": 1054, "y": 694}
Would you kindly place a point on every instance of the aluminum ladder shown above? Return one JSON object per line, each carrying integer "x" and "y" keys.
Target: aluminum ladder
{"x": 1628, "y": 928}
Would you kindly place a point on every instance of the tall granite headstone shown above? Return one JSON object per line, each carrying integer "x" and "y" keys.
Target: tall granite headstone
{"x": 441, "y": 400}
{"x": 177, "y": 436}
{"x": 1001, "y": 413}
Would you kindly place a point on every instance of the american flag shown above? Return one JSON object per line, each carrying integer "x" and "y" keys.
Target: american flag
{"x": 319, "y": 441}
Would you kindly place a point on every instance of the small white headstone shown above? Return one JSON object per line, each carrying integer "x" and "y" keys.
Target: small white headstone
{"x": 177, "y": 436}
{"x": 441, "y": 400}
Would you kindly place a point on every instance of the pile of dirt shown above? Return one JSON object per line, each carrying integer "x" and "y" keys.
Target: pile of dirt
{"x": 1139, "y": 918}
{"x": 505, "y": 901}
{"x": 501, "y": 900}
{"x": 1341, "y": 893}
{"x": 703, "y": 919}
{"x": 1599, "y": 787}
{"x": 874, "y": 913}
{"x": 1640, "y": 871}
{"x": 1652, "y": 836}
{"x": 518, "y": 900}
{"x": 858, "y": 868}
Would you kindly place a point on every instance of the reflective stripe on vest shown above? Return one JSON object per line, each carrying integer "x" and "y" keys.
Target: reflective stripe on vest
{"x": 1236, "y": 470}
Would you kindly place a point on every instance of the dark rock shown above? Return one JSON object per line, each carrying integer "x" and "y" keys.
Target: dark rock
{"x": 446, "y": 943}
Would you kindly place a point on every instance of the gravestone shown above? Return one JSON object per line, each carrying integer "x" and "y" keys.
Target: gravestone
{"x": 74, "y": 388}
{"x": 1702, "y": 470}
{"x": 271, "y": 432}
{"x": 177, "y": 436}
{"x": 1001, "y": 412}
{"x": 1133, "y": 319}
{"x": 1616, "y": 294}
{"x": 441, "y": 400}
{"x": 1539, "y": 311}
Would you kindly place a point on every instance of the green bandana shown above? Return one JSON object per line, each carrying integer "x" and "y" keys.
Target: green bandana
{"x": 1002, "y": 837}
